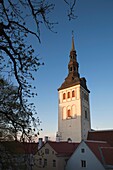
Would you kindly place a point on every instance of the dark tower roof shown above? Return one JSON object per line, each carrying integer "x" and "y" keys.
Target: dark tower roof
{"x": 73, "y": 77}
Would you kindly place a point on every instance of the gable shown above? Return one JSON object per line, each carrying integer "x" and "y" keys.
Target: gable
{"x": 84, "y": 154}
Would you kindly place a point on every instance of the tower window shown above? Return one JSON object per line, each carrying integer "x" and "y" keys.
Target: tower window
{"x": 69, "y": 113}
{"x": 70, "y": 69}
{"x": 68, "y": 94}
{"x": 86, "y": 116}
{"x": 64, "y": 96}
{"x": 73, "y": 93}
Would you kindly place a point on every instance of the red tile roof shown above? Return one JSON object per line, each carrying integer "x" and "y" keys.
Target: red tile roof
{"x": 104, "y": 135}
{"x": 95, "y": 147}
{"x": 63, "y": 148}
{"x": 102, "y": 150}
{"x": 30, "y": 148}
{"x": 107, "y": 153}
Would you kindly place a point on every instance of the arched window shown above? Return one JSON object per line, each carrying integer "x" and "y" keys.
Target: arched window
{"x": 70, "y": 68}
{"x": 69, "y": 113}
{"x": 74, "y": 68}
{"x": 73, "y": 93}
{"x": 64, "y": 96}
{"x": 68, "y": 95}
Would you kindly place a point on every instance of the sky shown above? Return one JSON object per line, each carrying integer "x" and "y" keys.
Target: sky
{"x": 93, "y": 36}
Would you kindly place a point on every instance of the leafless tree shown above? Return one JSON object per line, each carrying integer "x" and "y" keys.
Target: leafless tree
{"x": 17, "y": 58}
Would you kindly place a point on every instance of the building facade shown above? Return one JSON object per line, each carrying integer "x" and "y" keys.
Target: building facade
{"x": 73, "y": 104}
{"x": 53, "y": 155}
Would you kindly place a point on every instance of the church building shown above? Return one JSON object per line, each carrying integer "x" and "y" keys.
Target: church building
{"x": 73, "y": 104}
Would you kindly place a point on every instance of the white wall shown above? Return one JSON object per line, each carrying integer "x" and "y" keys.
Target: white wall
{"x": 92, "y": 163}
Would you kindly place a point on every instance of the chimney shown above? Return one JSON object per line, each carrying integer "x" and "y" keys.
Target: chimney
{"x": 57, "y": 137}
{"x": 40, "y": 141}
{"x": 46, "y": 139}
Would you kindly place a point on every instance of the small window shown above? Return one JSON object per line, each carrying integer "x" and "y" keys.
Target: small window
{"x": 64, "y": 96}
{"x": 45, "y": 162}
{"x": 83, "y": 163}
{"x": 86, "y": 116}
{"x": 54, "y": 163}
{"x": 40, "y": 161}
{"x": 70, "y": 68}
{"x": 46, "y": 151}
{"x": 82, "y": 150}
{"x": 73, "y": 93}
{"x": 68, "y": 94}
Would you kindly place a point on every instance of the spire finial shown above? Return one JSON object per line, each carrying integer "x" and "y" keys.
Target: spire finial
{"x": 73, "y": 46}
{"x": 72, "y": 33}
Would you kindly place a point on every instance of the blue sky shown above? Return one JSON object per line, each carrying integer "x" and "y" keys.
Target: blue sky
{"x": 93, "y": 35}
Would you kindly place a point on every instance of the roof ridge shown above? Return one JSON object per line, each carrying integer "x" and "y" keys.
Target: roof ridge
{"x": 106, "y": 130}
{"x": 95, "y": 141}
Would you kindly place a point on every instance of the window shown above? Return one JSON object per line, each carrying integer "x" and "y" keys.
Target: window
{"x": 73, "y": 93}
{"x": 83, "y": 163}
{"x": 86, "y": 114}
{"x": 46, "y": 151}
{"x": 70, "y": 68}
{"x": 82, "y": 150}
{"x": 54, "y": 163}
{"x": 68, "y": 95}
{"x": 45, "y": 162}
{"x": 69, "y": 113}
{"x": 64, "y": 96}
{"x": 40, "y": 161}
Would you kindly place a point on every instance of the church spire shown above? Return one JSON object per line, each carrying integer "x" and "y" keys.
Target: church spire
{"x": 73, "y": 77}
{"x": 73, "y": 45}
{"x": 73, "y": 64}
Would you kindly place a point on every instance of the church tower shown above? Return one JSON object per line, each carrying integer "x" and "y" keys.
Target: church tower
{"x": 73, "y": 104}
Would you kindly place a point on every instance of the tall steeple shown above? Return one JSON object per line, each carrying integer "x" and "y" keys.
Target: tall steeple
{"x": 73, "y": 64}
{"x": 73, "y": 77}
{"x": 73, "y": 105}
